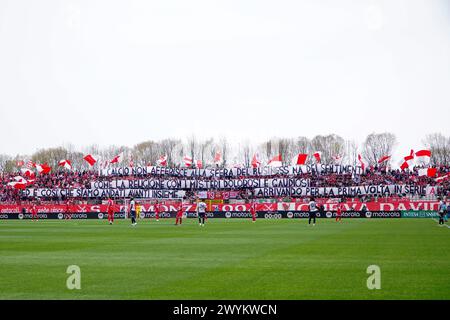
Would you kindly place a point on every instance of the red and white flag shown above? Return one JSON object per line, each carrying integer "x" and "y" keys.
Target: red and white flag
{"x": 255, "y": 161}
{"x": 90, "y": 159}
{"x": 318, "y": 156}
{"x": 442, "y": 178}
{"x": 218, "y": 157}
{"x": 423, "y": 155}
{"x": 43, "y": 168}
{"x": 18, "y": 183}
{"x": 30, "y": 164}
{"x": 407, "y": 161}
{"x": 300, "y": 159}
{"x": 162, "y": 161}
{"x": 28, "y": 173}
{"x": 66, "y": 164}
{"x": 118, "y": 158}
{"x": 187, "y": 161}
{"x": 383, "y": 159}
{"x": 199, "y": 164}
{"x": 275, "y": 161}
{"x": 429, "y": 172}
{"x": 362, "y": 162}
{"x": 20, "y": 163}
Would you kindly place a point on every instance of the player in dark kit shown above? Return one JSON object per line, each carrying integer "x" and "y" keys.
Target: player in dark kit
{"x": 442, "y": 212}
{"x": 312, "y": 211}
{"x": 133, "y": 211}
{"x": 201, "y": 212}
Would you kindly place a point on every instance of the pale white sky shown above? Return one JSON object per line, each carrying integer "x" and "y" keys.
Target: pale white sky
{"x": 121, "y": 72}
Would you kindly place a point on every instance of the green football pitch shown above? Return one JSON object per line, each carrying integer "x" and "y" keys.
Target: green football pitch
{"x": 226, "y": 259}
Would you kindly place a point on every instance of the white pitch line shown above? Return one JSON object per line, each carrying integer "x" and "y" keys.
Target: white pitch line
{"x": 445, "y": 225}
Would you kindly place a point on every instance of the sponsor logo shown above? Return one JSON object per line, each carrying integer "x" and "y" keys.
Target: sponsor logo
{"x": 60, "y": 216}
{"x": 329, "y": 214}
{"x": 20, "y": 216}
{"x": 3, "y": 216}
{"x": 228, "y": 214}
{"x": 290, "y": 215}
{"x": 368, "y": 214}
{"x": 100, "y": 215}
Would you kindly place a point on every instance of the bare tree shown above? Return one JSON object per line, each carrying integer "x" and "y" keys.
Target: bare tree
{"x": 51, "y": 156}
{"x": 377, "y": 145}
{"x": 167, "y": 148}
{"x": 224, "y": 148}
{"x": 330, "y": 146}
{"x": 146, "y": 152}
{"x": 351, "y": 154}
{"x": 439, "y": 145}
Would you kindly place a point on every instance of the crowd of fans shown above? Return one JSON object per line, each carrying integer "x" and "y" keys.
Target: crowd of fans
{"x": 82, "y": 179}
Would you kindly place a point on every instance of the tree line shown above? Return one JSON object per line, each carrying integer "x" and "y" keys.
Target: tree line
{"x": 331, "y": 146}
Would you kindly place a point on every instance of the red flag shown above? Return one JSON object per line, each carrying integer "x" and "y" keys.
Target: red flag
{"x": 218, "y": 157}
{"x": 383, "y": 159}
{"x": 30, "y": 164}
{"x": 90, "y": 159}
{"x": 199, "y": 164}
{"x": 255, "y": 161}
{"x": 118, "y": 158}
{"x": 362, "y": 162}
{"x": 275, "y": 161}
{"x": 423, "y": 153}
{"x": 301, "y": 159}
{"x": 20, "y": 163}
{"x": 317, "y": 155}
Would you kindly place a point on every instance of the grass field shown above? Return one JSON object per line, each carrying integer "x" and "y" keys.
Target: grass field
{"x": 227, "y": 259}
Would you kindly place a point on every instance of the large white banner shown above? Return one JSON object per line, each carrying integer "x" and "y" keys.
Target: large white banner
{"x": 184, "y": 183}
{"x": 232, "y": 172}
{"x": 104, "y": 193}
{"x": 380, "y": 190}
